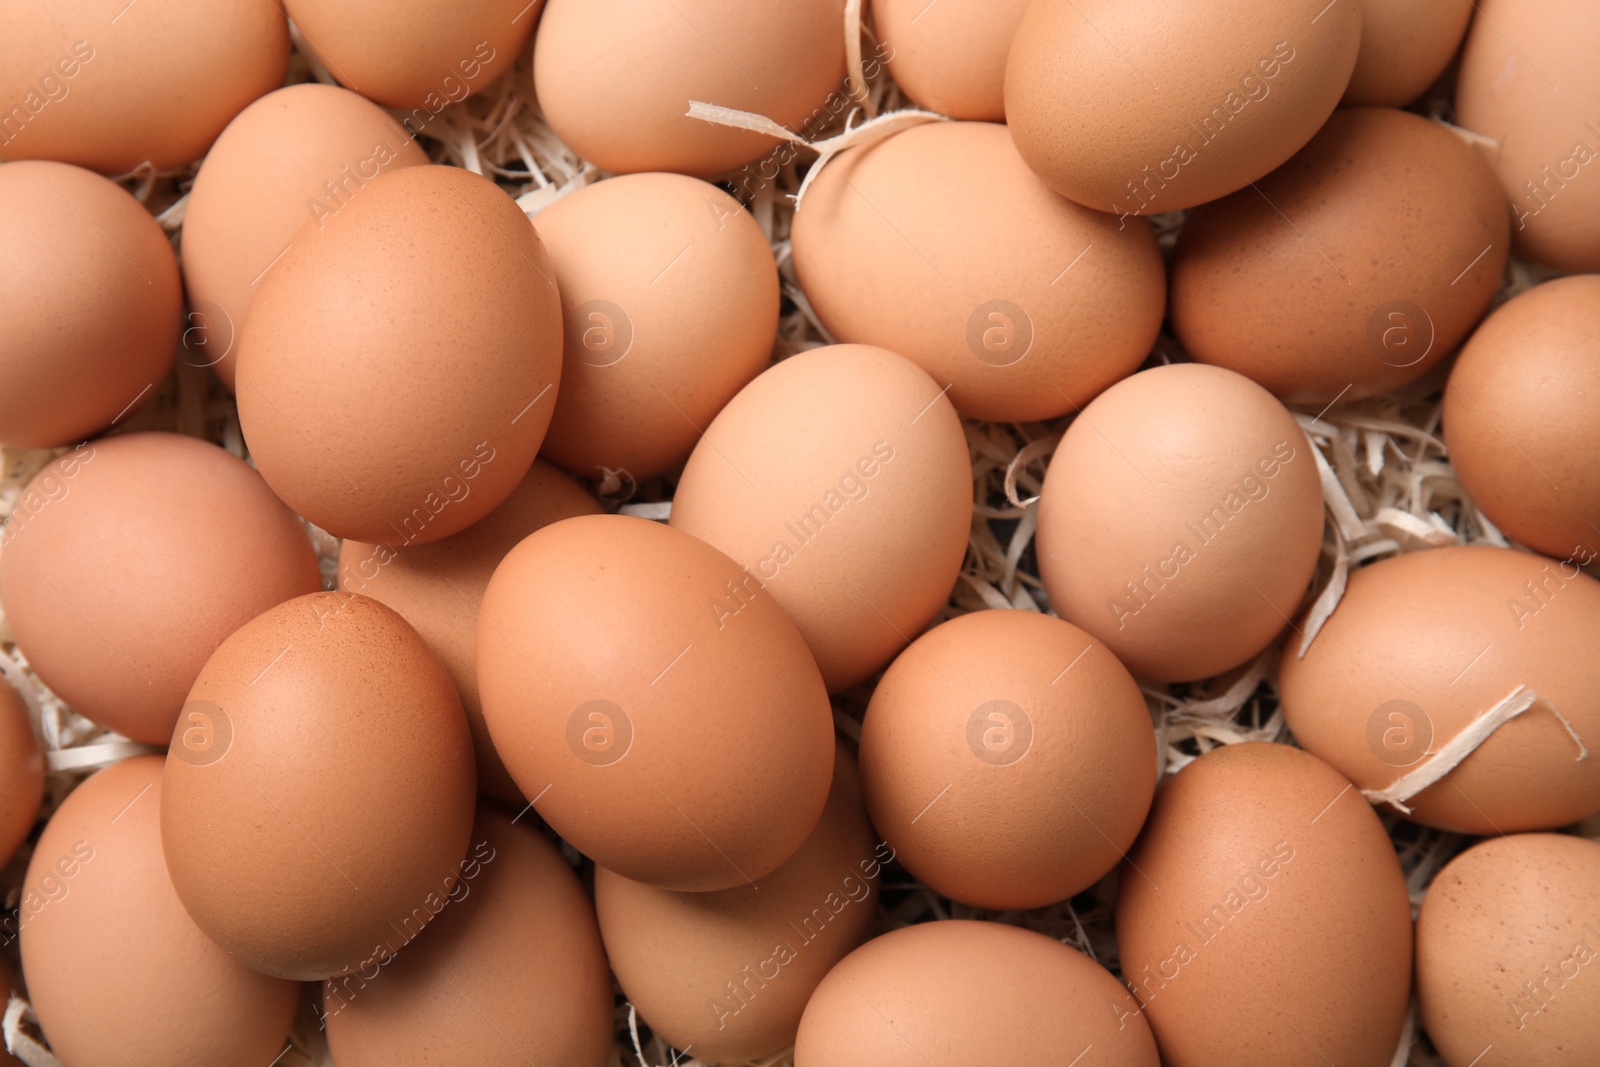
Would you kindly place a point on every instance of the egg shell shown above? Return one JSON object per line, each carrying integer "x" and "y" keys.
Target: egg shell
{"x": 662, "y": 712}
{"x": 70, "y": 232}
{"x": 398, "y": 367}
{"x": 669, "y": 296}
{"x": 108, "y": 85}
{"x": 319, "y": 791}
{"x": 614, "y": 78}
{"x": 1180, "y": 521}
{"x": 511, "y": 973}
{"x": 971, "y": 994}
{"x": 1529, "y": 84}
{"x": 127, "y": 562}
{"x": 1505, "y": 938}
{"x": 729, "y": 973}
{"x": 117, "y": 971}
{"x": 296, "y": 156}
{"x": 438, "y": 588}
{"x": 1352, "y": 269}
{"x": 1405, "y": 46}
{"x": 1138, "y": 112}
{"x": 417, "y": 56}
{"x": 1263, "y": 918}
{"x": 1008, "y": 758}
{"x": 851, "y": 433}
{"x": 1519, "y": 422}
{"x": 1420, "y": 646}
{"x": 21, "y": 773}
{"x": 940, "y": 244}
{"x": 949, "y": 57}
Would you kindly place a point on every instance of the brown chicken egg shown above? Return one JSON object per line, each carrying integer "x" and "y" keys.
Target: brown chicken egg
{"x": 21, "y": 773}
{"x": 839, "y": 481}
{"x": 1008, "y": 759}
{"x": 1263, "y": 918}
{"x": 1405, "y": 46}
{"x": 1423, "y": 644}
{"x": 654, "y": 703}
{"x": 615, "y": 78}
{"x": 296, "y": 156}
{"x": 318, "y": 795}
{"x": 1519, "y": 418}
{"x": 1350, "y": 270}
{"x": 117, "y": 971}
{"x": 111, "y": 84}
{"x": 949, "y": 57}
{"x": 438, "y": 589}
{"x": 1507, "y": 938}
{"x": 398, "y": 367}
{"x": 1530, "y": 87}
{"x": 1181, "y": 520}
{"x": 1138, "y": 110}
{"x": 669, "y": 296}
{"x": 418, "y": 56}
{"x": 130, "y": 559}
{"x": 940, "y": 244}
{"x": 512, "y": 973}
{"x": 972, "y": 994}
{"x": 727, "y": 974}
{"x": 74, "y": 240}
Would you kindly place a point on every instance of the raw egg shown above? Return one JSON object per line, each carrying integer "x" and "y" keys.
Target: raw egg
{"x": 129, "y": 559}
{"x": 117, "y": 971}
{"x": 1423, "y": 644}
{"x": 1138, "y": 111}
{"x": 669, "y": 296}
{"x": 1008, "y": 758}
{"x": 1405, "y": 46}
{"x": 940, "y": 244}
{"x": 318, "y": 795}
{"x": 295, "y": 157}
{"x": 654, "y": 702}
{"x": 1263, "y": 918}
{"x": 1181, "y": 521}
{"x": 71, "y": 373}
{"x": 398, "y": 367}
{"x": 1519, "y": 418}
{"x": 438, "y": 589}
{"x": 949, "y": 57}
{"x": 839, "y": 481}
{"x": 21, "y": 773}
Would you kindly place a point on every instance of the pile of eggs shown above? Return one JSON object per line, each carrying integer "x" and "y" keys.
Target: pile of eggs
{"x": 531, "y": 755}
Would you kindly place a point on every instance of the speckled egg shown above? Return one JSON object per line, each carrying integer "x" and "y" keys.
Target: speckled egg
{"x": 729, "y": 973}
{"x": 1263, "y": 918}
{"x": 1139, "y": 111}
{"x": 512, "y": 973}
{"x": 615, "y": 79}
{"x": 654, "y": 703}
{"x": 940, "y": 244}
{"x": 399, "y": 365}
{"x": 1353, "y": 268}
{"x": 1008, "y": 759}
{"x": 669, "y": 297}
{"x": 438, "y": 588}
{"x": 109, "y": 84}
{"x": 297, "y": 156}
{"x": 1423, "y": 644}
{"x": 1506, "y": 939}
{"x": 973, "y": 994}
{"x": 68, "y": 233}
{"x": 128, "y": 560}
{"x": 117, "y": 971}
{"x": 839, "y": 481}
{"x": 318, "y": 795}
{"x": 1181, "y": 520}
{"x": 1519, "y": 418}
